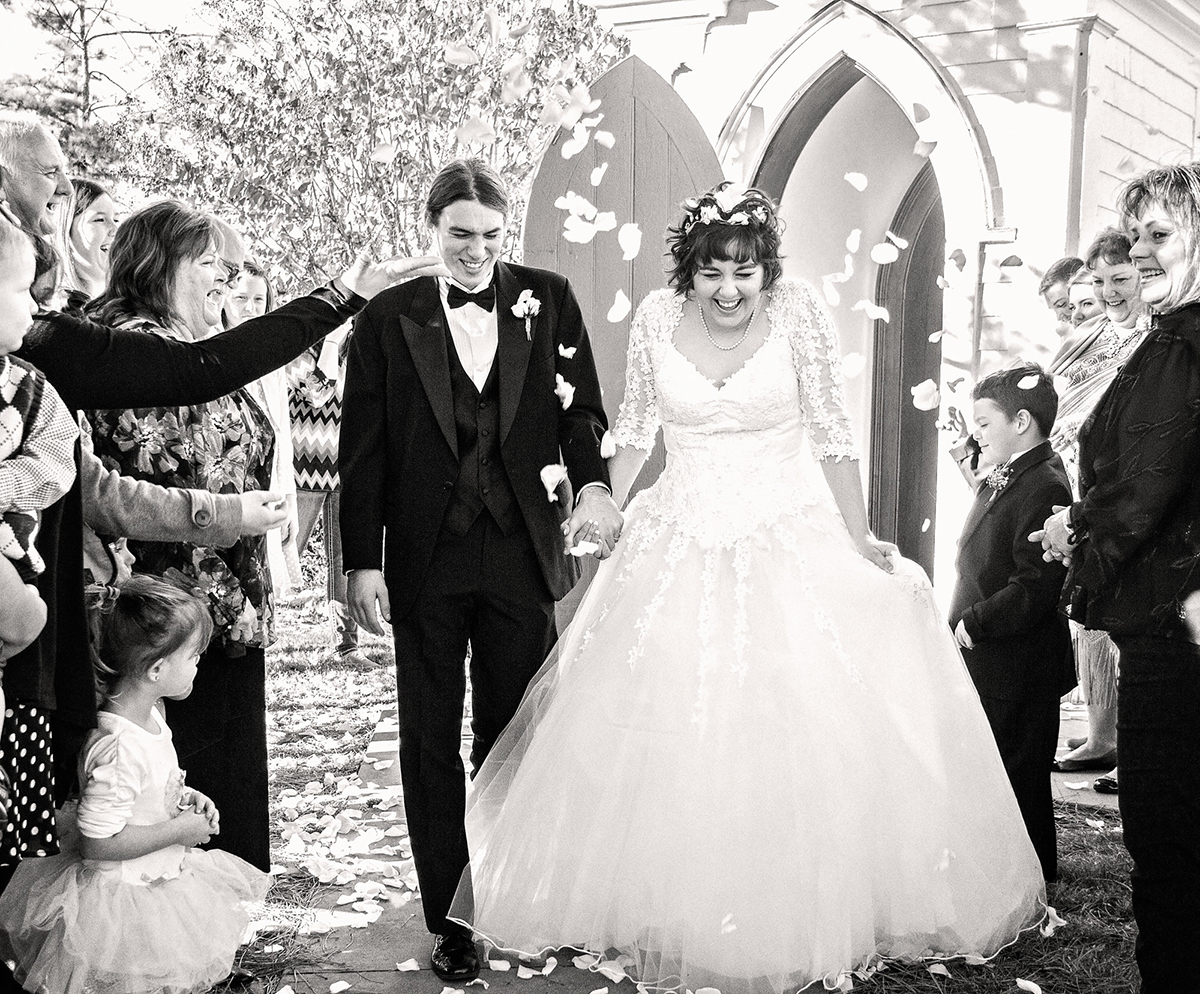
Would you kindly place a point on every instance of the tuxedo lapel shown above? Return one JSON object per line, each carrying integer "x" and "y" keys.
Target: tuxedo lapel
{"x": 983, "y": 500}
{"x": 513, "y": 347}
{"x": 425, "y": 331}
{"x": 986, "y": 498}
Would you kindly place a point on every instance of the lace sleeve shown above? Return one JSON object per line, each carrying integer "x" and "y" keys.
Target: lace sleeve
{"x": 818, "y": 361}
{"x": 638, "y": 420}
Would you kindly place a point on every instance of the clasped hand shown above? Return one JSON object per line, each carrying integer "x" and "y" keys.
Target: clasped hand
{"x": 198, "y": 819}
{"x": 596, "y": 519}
{"x": 1055, "y": 537}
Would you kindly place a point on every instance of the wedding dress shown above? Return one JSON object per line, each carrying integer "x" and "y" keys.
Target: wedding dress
{"x": 755, "y": 761}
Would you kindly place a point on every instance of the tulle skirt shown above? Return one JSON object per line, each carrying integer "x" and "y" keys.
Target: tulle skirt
{"x": 750, "y": 765}
{"x": 73, "y": 927}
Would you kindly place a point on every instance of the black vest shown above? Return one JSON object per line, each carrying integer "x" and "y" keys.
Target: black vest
{"x": 482, "y": 481}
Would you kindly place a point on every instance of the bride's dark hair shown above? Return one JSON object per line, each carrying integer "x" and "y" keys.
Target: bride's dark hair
{"x": 725, "y": 223}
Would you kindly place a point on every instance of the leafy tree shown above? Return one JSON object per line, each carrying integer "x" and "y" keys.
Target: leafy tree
{"x": 317, "y": 125}
{"x": 91, "y": 45}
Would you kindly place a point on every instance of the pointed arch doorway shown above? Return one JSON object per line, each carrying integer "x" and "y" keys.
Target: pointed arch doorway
{"x": 846, "y": 124}
{"x": 661, "y": 156}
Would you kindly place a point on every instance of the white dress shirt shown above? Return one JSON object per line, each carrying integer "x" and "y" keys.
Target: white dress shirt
{"x": 473, "y": 330}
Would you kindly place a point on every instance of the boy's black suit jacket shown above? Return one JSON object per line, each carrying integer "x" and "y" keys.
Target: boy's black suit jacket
{"x": 1006, "y": 595}
{"x": 398, "y": 456}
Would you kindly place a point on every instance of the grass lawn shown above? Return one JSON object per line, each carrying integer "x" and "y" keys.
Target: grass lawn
{"x": 321, "y": 718}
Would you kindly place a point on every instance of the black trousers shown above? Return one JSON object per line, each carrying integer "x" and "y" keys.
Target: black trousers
{"x": 1026, "y": 733}
{"x": 486, "y": 589}
{"x": 220, "y": 733}
{"x": 1158, "y": 731}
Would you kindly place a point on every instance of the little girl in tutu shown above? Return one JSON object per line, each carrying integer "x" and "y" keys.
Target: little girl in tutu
{"x": 131, "y": 907}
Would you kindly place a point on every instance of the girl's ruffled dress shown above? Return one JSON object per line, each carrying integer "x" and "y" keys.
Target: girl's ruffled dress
{"x": 168, "y": 922}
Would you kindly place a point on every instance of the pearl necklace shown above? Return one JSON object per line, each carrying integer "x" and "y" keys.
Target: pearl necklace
{"x": 745, "y": 330}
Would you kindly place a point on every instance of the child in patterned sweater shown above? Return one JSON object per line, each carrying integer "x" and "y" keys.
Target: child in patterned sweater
{"x": 37, "y": 432}
{"x": 37, "y": 454}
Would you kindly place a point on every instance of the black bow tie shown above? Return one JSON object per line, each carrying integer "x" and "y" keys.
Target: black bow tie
{"x": 485, "y": 298}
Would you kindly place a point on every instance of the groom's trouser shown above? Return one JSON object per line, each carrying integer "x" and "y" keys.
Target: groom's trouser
{"x": 1158, "y": 748}
{"x": 485, "y": 588}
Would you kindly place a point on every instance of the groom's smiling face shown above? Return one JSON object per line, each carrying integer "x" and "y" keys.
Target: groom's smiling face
{"x": 469, "y": 237}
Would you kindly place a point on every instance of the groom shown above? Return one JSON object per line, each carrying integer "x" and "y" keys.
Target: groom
{"x": 458, "y": 393}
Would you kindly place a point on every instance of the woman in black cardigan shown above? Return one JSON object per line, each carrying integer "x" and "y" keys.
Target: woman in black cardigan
{"x": 93, "y": 366}
{"x": 1133, "y": 542}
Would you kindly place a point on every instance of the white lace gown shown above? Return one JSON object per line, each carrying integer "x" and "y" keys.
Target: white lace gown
{"x": 755, "y": 760}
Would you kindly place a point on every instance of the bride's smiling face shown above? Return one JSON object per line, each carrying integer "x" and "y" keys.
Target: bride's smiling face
{"x": 727, "y": 291}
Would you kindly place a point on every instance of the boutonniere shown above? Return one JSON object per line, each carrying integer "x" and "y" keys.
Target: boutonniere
{"x": 526, "y": 307}
{"x": 998, "y": 479}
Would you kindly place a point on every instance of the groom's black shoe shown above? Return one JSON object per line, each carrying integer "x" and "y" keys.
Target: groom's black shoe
{"x": 454, "y": 958}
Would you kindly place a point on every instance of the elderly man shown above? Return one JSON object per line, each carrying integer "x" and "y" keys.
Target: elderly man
{"x": 92, "y": 366}
{"x": 33, "y": 171}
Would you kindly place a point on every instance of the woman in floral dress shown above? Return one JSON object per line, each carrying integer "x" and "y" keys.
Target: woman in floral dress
{"x": 166, "y": 278}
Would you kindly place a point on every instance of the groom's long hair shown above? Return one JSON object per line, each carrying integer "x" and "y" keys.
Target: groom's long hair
{"x": 465, "y": 179}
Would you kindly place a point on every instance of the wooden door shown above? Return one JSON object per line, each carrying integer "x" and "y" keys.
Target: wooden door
{"x": 659, "y": 157}
{"x": 904, "y": 443}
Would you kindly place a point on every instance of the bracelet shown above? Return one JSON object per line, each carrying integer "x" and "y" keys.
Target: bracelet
{"x": 1075, "y": 533}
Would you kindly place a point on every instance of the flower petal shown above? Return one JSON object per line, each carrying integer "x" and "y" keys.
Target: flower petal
{"x": 884, "y": 253}
{"x": 630, "y": 240}
{"x": 474, "y": 130}
{"x": 926, "y": 396}
{"x": 598, "y": 173}
{"x": 459, "y": 55}
{"x": 567, "y": 353}
{"x": 852, "y": 240}
{"x": 1028, "y": 985}
{"x": 608, "y": 449}
{"x": 565, "y": 390}
{"x": 576, "y": 143}
{"x": 873, "y": 311}
{"x": 856, "y": 180}
{"x": 853, "y": 363}
{"x": 577, "y": 230}
{"x": 604, "y": 138}
{"x": 383, "y": 153}
{"x": 552, "y": 476}
{"x": 620, "y": 308}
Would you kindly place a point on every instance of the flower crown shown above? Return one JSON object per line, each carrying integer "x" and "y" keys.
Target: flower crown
{"x": 729, "y": 204}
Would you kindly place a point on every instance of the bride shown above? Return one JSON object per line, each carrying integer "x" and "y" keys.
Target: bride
{"x": 755, "y": 760}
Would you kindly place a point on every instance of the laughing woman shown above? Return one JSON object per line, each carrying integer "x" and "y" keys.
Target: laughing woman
{"x": 1090, "y": 363}
{"x": 1133, "y": 544}
{"x": 165, "y": 279}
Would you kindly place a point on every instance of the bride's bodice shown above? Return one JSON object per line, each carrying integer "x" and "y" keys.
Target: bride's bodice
{"x": 735, "y": 451}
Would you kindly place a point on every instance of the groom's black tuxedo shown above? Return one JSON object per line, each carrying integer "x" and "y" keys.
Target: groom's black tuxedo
{"x": 1007, "y": 597}
{"x": 442, "y": 490}
{"x": 399, "y": 457}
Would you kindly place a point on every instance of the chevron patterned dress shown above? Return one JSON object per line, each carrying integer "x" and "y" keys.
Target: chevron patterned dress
{"x": 316, "y": 413}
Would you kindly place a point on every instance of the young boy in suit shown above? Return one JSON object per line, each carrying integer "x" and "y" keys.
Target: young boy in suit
{"x": 1004, "y": 610}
